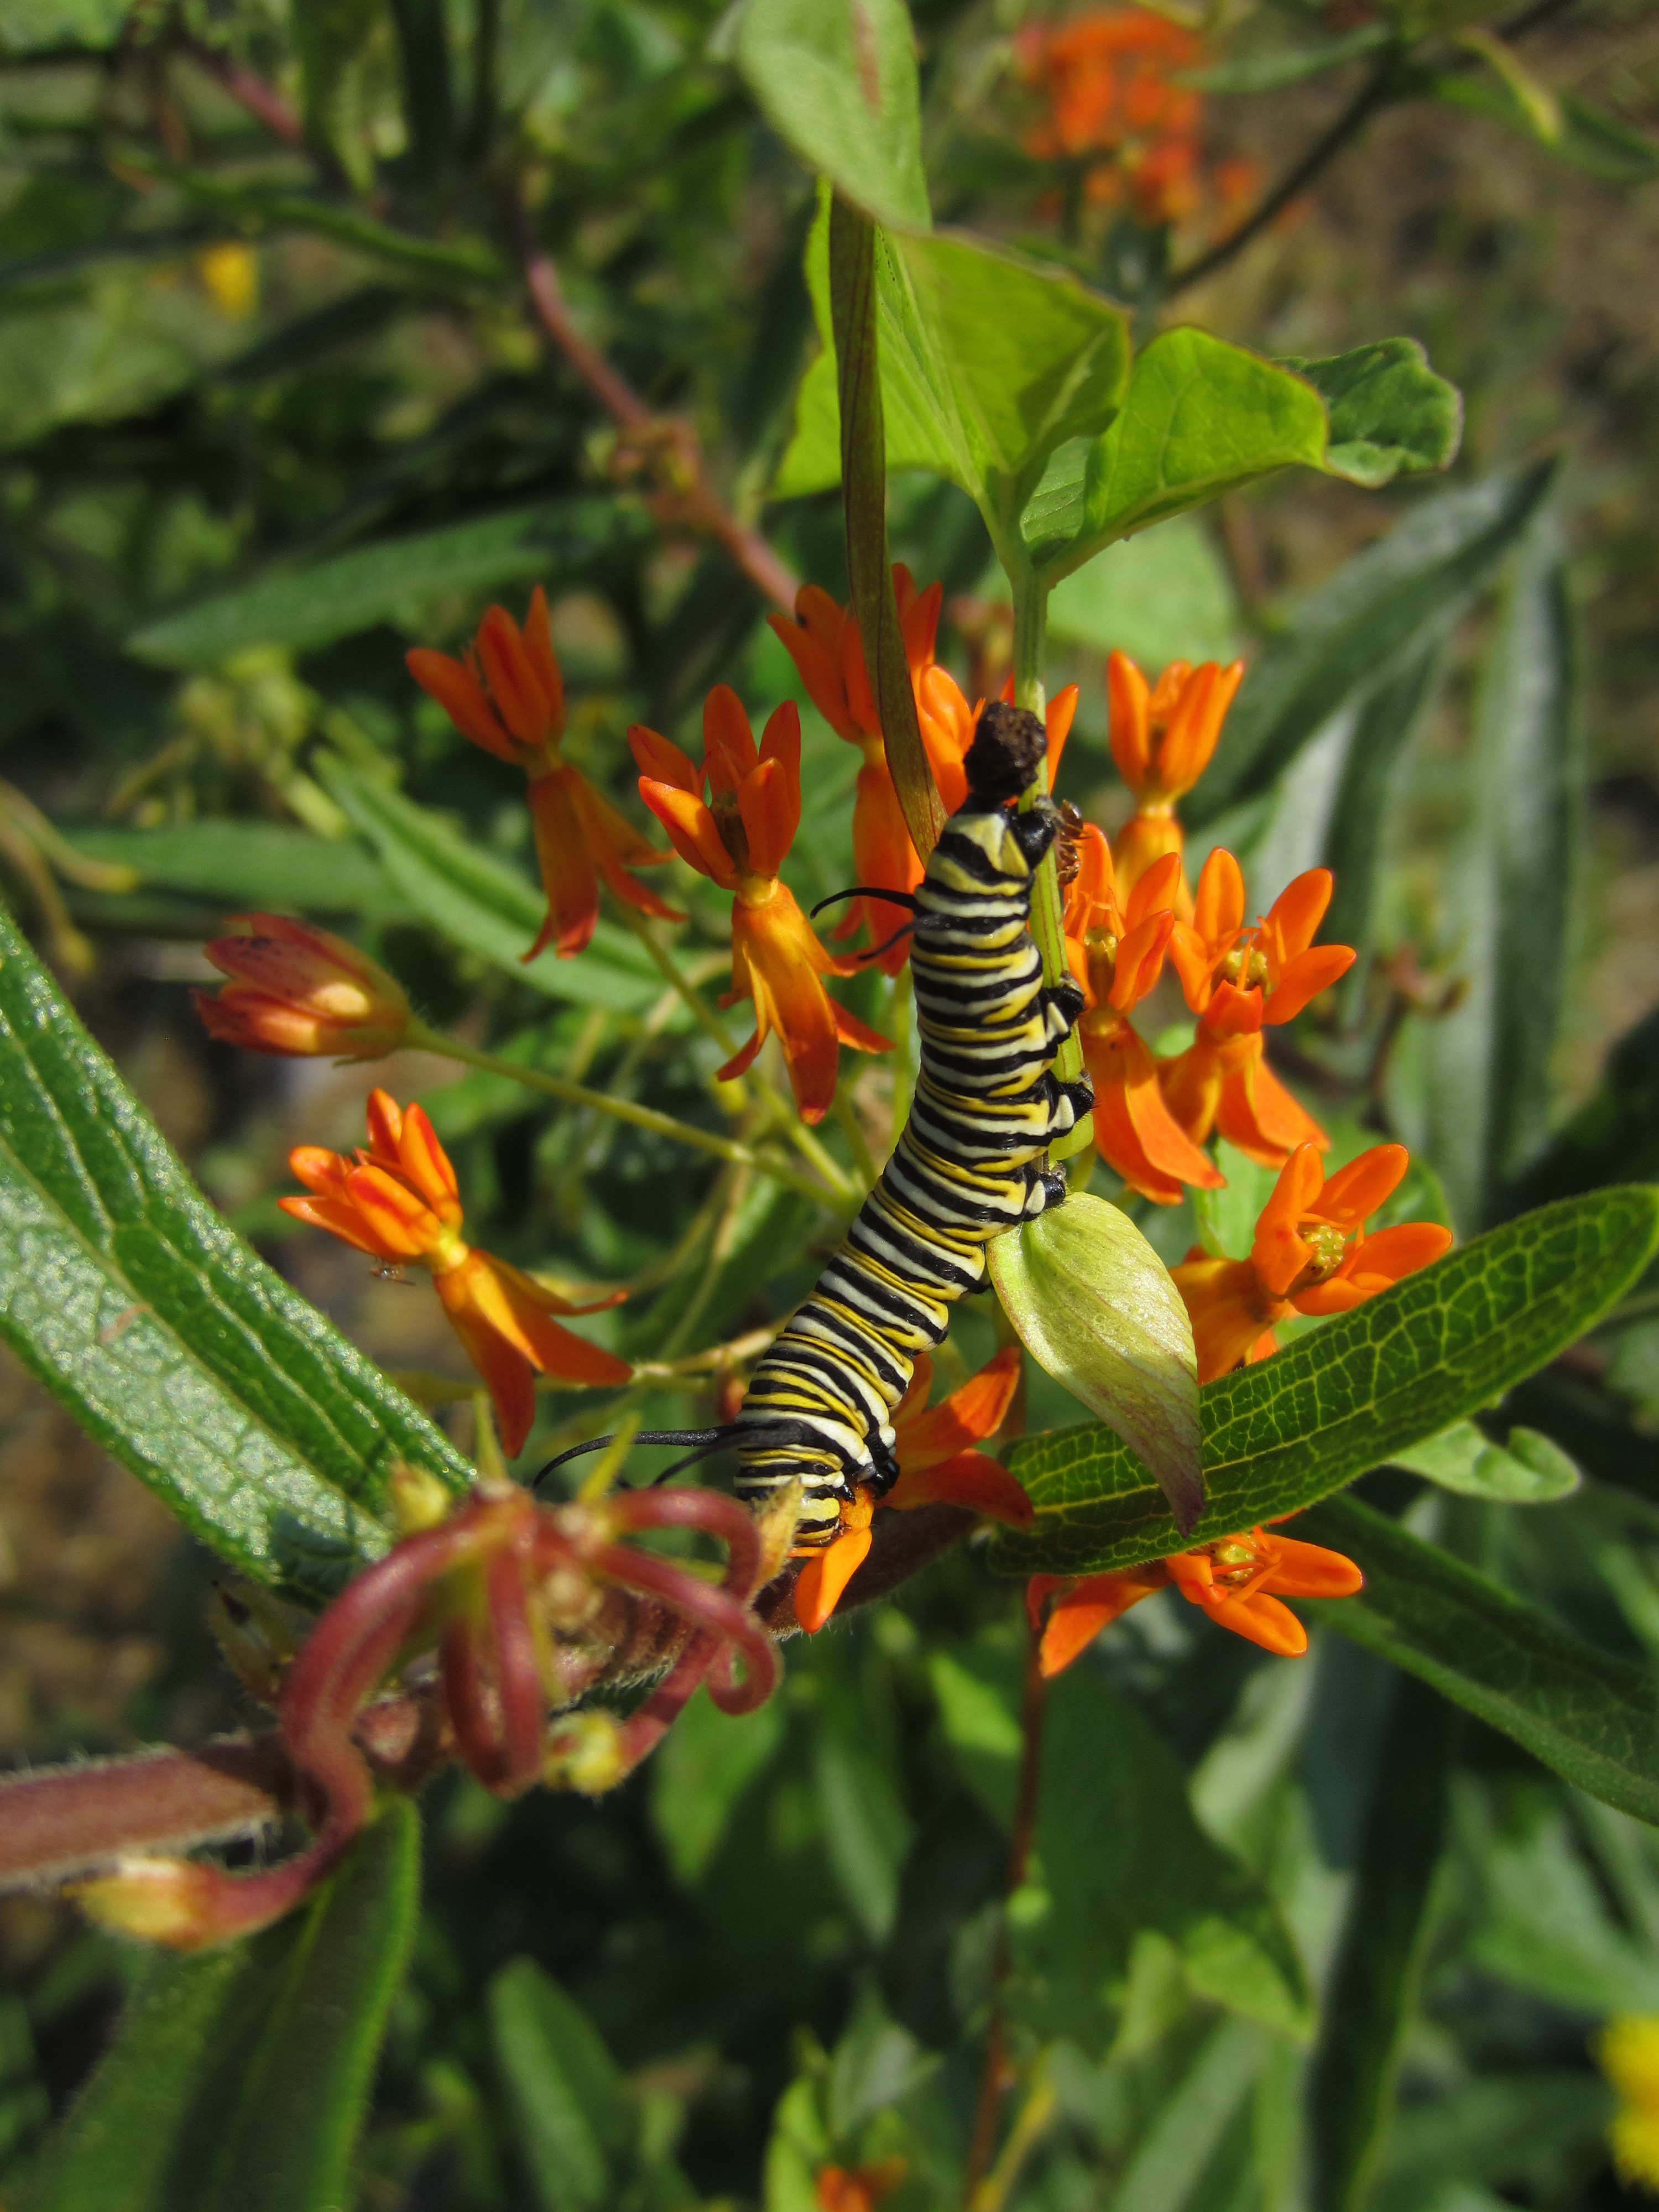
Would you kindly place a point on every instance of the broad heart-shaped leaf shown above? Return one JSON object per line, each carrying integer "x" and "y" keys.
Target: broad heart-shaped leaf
{"x": 1390, "y": 415}
{"x": 1349, "y": 1395}
{"x": 1391, "y": 599}
{"x": 1200, "y": 416}
{"x": 1527, "y": 1470}
{"x": 1118, "y": 1856}
{"x": 1094, "y": 1305}
{"x": 391, "y": 581}
{"x": 232, "y": 1397}
{"x": 988, "y": 362}
{"x": 836, "y": 80}
{"x": 239, "y": 2076}
{"x": 482, "y": 905}
{"x": 1592, "y": 1718}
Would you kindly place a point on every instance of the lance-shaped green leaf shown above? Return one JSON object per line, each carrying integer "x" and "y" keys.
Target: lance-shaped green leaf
{"x": 1488, "y": 1062}
{"x": 229, "y": 1395}
{"x": 1529, "y": 1469}
{"x": 1394, "y": 599}
{"x": 1353, "y": 834}
{"x": 1592, "y": 1718}
{"x": 576, "y": 2126}
{"x": 1614, "y": 1135}
{"x": 237, "y": 865}
{"x": 1390, "y": 415}
{"x": 1348, "y": 1395}
{"x": 392, "y": 580}
{"x": 1095, "y": 1306}
{"x": 240, "y": 2075}
{"x": 836, "y": 80}
{"x": 484, "y": 906}
{"x": 1374, "y": 1980}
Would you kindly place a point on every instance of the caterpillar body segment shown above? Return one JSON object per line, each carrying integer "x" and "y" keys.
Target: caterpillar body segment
{"x": 968, "y": 1166}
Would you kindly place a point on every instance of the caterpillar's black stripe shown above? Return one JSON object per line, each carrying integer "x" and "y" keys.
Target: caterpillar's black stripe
{"x": 968, "y": 1166}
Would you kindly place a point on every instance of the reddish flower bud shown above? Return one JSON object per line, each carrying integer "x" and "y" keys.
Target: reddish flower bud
{"x": 296, "y": 989}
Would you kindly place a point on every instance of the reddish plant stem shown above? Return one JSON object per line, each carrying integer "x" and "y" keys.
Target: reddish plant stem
{"x": 716, "y": 1515}
{"x": 55, "y": 1823}
{"x": 993, "y": 2075}
{"x": 715, "y": 1610}
{"x": 517, "y": 1677}
{"x": 262, "y": 100}
{"x": 681, "y": 467}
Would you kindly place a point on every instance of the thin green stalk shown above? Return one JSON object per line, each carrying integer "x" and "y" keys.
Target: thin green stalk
{"x": 621, "y": 1110}
{"x": 1047, "y": 920}
{"x": 847, "y": 1117}
{"x": 902, "y": 1021}
{"x": 779, "y": 1112}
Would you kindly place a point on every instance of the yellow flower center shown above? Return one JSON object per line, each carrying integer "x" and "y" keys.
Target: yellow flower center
{"x": 1246, "y": 966}
{"x": 1327, "y": 1243}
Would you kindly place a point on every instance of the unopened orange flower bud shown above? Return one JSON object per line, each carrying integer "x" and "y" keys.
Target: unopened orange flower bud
{"x": 300, "y": 990}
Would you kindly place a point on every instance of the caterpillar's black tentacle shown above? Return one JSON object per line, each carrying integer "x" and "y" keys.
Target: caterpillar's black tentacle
{"x": 969, "y": 1165}
{"x": 887, "y": 943}
{"x": 863, "y": 890}
{"x": 706, "y": 1440}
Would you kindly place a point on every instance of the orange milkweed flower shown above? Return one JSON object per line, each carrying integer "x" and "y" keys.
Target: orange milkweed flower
{"x": 1162, "y": 738}
{"x": 1107, "y": 80}
{"x": 948, "y": 723}
{"x": 300, "y": 990}
{"x": 1238, "y": 1581}
{"x": 938, "y": 1465}
{"x": 824, "y": 644}
{"x": 1115, "y": 946}
{"x": 398, "y": 1200}
{"x": 507, "y": 696}
{"x": 738, "y": 840}
{"x": 1310, "y": 1255}
{"x": 1236, "y": 979}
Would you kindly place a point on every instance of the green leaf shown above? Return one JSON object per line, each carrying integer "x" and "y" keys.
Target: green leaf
{"x": 1199, "y": 417}
{"x": 866, "y": 1831}
{"x": 117, "y": 346}
{"x": 574, "y": 2125}
{"x": 28, "y": 26}
{"x": 698, "y": 1778}
{"x": 1226, "y": 1218}
{"x": 1353, "y": 835}
{"x": 1592, "y": 1718}
{"x": 1509, "y": 893}
{"x": 1613, "y": 1135}
{"x": 1165, "y": 597}
{"x": 988, "y": 363}
{"x": 1527, "y": 1470}
{"x": 221, "y": 1388}
{"x": 1170, "y": 2159}
{"x": 1283, "y": 65}
{"x": 836, "y": 80}
{"x": 240, "y": 2075}
{"x": 853, "y": 259}
{"x": 393, "y": 580}
{"x": 1119, "y": 1854}
{"x": 1588, "y": 138}
{"x": 977, "y": 1687}
{"x": 1095, "y": 1307}
{"x": 1373, "y": 1990}
{"x": 1547, "y": 1928}
{"x": 1390, "y": 415}
{"x": 484, "y": 906}
{"x": 1346, "y": 1396}
{"x": 1537, "y": 2130}
{"x": 241, "y": 864}
{"x": 1393, "y": 598}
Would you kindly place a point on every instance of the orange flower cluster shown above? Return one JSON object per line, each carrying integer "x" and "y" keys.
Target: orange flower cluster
{"x": 739, "y": 838}
{"x": 398, "y": 1201}
{"x": 1238, "y": 1581}
{"x": 1112, "y": 105}
{"x": 824, "y": 644}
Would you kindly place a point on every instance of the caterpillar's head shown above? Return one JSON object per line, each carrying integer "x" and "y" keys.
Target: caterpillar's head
{"x": 1008, "y": 745}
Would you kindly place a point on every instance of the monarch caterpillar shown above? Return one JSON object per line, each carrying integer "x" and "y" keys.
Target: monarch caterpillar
{"x": 968, "y": 1165}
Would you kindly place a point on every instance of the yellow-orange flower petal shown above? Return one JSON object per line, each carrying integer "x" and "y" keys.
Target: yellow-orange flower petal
{"x": 823, "y": 1577}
